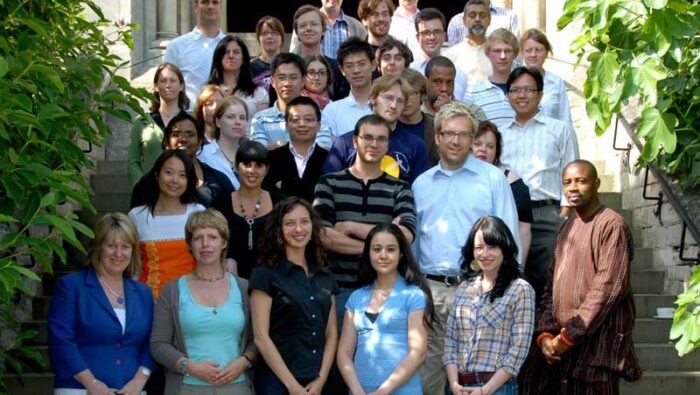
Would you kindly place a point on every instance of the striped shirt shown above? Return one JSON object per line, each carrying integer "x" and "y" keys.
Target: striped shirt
{"x": 482, "y": 336}
{"x": 550, "y": 145}
{"x": 492, "y": 100}
{"x": 341, "y": 196}
{"x": 500, "y": 18}
{"x": 555, "y": 103}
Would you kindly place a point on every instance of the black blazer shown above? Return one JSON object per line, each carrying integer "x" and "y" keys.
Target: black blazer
{"x": 282, "y": 178}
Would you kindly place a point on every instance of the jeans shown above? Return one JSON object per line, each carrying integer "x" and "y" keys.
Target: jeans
{"x": 510, "y": 387}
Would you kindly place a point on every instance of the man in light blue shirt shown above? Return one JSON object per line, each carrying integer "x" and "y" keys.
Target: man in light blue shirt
{"x": 268, "y": 126}
{"x": 450, "y": 198}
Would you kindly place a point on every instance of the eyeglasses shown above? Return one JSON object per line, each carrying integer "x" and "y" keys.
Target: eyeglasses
{"x": 304, "y": 25}
{"x": 285, "y": 77}
{"x": 316, "y": 73}
{"x": 269, "y": 33}
{"x": 428, "y": 33}
{"x": 450, "y": 135}
{"x": 374, "y": 139}
{"x": 527, "y": 91}
{"x": 300, "y": 120}
{"x": 391, "y": 99}
{"x": 183, "y": 135}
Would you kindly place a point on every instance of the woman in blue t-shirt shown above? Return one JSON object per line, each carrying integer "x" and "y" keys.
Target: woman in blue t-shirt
{"x": 386, "y": 319}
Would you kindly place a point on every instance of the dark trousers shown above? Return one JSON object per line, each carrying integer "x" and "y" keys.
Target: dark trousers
{"x": 539, "y": 260}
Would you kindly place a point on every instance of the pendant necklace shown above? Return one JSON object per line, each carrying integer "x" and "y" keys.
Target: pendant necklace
{"x": 208, "y": 279}
{"x": 250, "y": 220}
{"x": 120, "y": 299}
{"x": 231, "y": 162}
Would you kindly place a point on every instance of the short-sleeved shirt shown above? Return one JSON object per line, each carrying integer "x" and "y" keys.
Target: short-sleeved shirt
{"x": 299, "y": 313}
{"x": 341, "y": 196}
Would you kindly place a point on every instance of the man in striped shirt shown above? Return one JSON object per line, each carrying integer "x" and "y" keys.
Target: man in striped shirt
{"x": 353, "y": 200}
{"x": 501, "y": 48}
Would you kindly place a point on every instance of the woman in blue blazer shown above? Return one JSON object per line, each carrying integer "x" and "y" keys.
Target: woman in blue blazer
{"x": 100, "y": 319}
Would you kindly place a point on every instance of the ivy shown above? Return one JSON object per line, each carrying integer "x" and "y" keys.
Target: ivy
{"x": 645, "y": 52}
{"x": 686, "y": 320}
{"x": 57, "y": 80}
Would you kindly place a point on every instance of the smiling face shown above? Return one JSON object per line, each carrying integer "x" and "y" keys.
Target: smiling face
{"x": 378, "y": 21}
{"x": 172, "y": 178}
{"x": 296, "y": 228}
{"x": 524, "y": 97}
{"x": 484, "y": 147}
{"x": 207, "y": 246}
{"x": 115, "y": 254}
{"x": 233, "y": 58}
{"x": 431, "y": 36}
{"x": 251, "y": 174}
{"x": 303, "y": 125}
{"x": 454, "y": 142}
{"x": 392, "y": 62}
{"x": 168, "y": 86}
{"x": 316, "y": 79}
{"x": 232, "y": 122}
{"x": 184, "y": 136}
{"x": 488, "y": 257}
{"x": 389, "y": 104}
{"x": 309, "y": 28}
{"x": 534, "y": 53}
{"x": 580, "y": 186}
{"x": 384, "y": 253}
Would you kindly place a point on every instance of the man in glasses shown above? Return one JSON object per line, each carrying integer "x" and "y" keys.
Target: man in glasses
{"x": 537, "y": 148}
{"x": 407, "y": 156}
{"x": 450, "y": 198}
{"x": 269, "y": 126}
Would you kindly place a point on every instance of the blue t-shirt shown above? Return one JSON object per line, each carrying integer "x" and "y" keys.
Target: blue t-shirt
{"x": 383, "y": 344}
{"x": 211, "y": 333}
{"x": 405, "y": 148}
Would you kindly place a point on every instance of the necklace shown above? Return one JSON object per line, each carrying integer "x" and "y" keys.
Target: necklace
{"x": 232, "y": 162}
{"x": 208, "y": 279}
{"x": 120, "y": 299}
{"x": 250, "y": 220}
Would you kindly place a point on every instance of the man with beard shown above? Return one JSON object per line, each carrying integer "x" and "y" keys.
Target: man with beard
{"x": 407, "y": 156}
{"x": 376, "y": 16}
{"x": 440, "y": 72}
{"x": 500, "y": 18}
{"x": 469, "y": 55}
{"x": 339, "y": 27}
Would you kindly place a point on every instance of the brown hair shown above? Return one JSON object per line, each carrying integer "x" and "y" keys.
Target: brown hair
{"x": 120, "y": 224}
{"x": 183, "y": 101}
{"x": 366, "y": 7}
{"x": 209, "y": 218}
{"x": 486, "y": 127}
{"x": 505, "y": 36}
{"x": 385, "y": 82}
{"x": 273, "y": 24}
{"x": 204, "y": 95}
{"x": 221, "y": 108}
{"x": 538, "y": 37}
{"x": 305, "y": 9}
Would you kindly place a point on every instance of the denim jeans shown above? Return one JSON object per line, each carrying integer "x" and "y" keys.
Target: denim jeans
{"x": 510, "y": 387}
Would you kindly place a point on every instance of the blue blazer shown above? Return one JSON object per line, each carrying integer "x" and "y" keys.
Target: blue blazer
{"x": 84, "y": 332}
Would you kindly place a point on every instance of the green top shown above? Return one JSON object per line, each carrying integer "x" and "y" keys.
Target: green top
{"x": 145, "y": 146}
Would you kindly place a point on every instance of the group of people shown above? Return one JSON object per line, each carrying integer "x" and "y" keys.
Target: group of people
{"x": 358, "y": 215}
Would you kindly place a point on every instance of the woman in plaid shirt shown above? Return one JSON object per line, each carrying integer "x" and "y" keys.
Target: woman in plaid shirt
{"x": 490, "y": 327}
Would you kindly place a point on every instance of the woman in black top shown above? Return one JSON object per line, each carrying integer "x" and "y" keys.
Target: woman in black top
{"x": 247, "y": 208}
{"x": 487, "y": 146}
{"x": 293, "y": 303}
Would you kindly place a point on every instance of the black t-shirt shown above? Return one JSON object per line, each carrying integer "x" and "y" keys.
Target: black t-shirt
{"x": 299, "y": 313}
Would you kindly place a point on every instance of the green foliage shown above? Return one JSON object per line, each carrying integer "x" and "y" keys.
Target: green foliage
{"x": 686, "y": 320}
{"x": 648, "y": 51}
{"x": 57, "y": 80}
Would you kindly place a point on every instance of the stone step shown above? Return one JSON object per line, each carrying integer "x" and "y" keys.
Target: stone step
{"x": 643, "y": 259}
{"x": 648, "y": 281}
{"x": 109, "y": 202}
{"x": 114, "y": 167}
{"x": 651, "y": 330}
{"x": 646, "y": 304}
{"x": 30, "y": 384}
{"x": 611, "y": 199}
{"x": 110, "y": 183}
{"x": 662, "y": 383}
{"x": 607, "y": 183}
{"x": 664, "y": 358}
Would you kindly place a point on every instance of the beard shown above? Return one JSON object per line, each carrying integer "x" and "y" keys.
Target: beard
{"x": 477, "y": 30}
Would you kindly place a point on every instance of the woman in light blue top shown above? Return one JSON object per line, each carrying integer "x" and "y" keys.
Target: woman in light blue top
{"x": 200, "y": 333}
{"x": 386, "y": 319}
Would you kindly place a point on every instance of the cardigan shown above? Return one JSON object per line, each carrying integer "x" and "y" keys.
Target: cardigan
{"x": 168, "y": 341}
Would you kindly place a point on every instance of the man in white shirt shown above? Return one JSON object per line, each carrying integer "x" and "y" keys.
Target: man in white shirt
{"x": 403, "y": 26}
{"x": 430, "y": 26}
{"x": 538, "y": 148}
{"x": 192, "y": 52}
{"x": 501, "y": 48}
{"x": 469, "y": 55}
{"x": 500, "y": 18}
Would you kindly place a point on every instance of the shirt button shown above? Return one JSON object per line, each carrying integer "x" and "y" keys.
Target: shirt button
{"x": 313, "y": 333}
{"x": 312, "y": 298}
{"x": 119, "y": 361}
{"x": 119, "y": 345}
{"x": 314, "y": 351}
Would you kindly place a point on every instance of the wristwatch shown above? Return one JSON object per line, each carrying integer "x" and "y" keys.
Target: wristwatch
{"x": 145, "y": 371}
{"x": 183, "y": 364}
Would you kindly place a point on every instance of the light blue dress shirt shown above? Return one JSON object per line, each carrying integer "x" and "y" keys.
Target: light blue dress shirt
{"x": 448, "y": 203}
{"x": 341, "y": 115}
{"x": 269, "y": 125}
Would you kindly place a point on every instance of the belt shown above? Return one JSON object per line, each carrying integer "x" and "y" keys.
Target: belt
{"x": 544, "y": 203}
{"x": 474, "y": 378}
{"x": 447, "y": 280}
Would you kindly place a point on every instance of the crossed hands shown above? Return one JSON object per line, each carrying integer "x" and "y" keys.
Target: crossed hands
{"x": 553, "y": 348}
{"x": 211, "y": 373}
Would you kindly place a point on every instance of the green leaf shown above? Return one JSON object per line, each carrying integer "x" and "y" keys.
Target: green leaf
{"x": 3, "y": 67}
{"x": 679, "y": 326}
{"x": 657, "y": 130}
{"x": 646, "y": 76}
{"x": 657, "y": 4}
{"x": 26, "y": 273}
{"x": 605, "y": 69}
{"x": 7, "y": 218}
{"x": 48, "y": 200}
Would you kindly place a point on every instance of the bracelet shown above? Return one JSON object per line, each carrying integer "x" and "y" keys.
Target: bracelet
{"x": 247, "y": 358}
{"x": 564, "y": 339}
{"x": 541, "y": 337}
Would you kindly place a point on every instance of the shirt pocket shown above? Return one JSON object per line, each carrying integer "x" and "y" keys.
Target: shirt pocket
{"x": 493, "y": 316}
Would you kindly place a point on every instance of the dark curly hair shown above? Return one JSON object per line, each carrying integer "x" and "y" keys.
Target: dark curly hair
{"x": 495, "y": 233}
{"x": 272, "y": 245}
{"x": 408, "y": 266}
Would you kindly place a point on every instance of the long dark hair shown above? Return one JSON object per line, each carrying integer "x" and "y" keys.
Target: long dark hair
{"x": 496, "y": 233}
{"x": 182, "y": 100}
{"x": 271, "y": 246}
{"x": 408, "y": 267}
{"x": 152, "y": 192}
{"x": 245, "y": 82}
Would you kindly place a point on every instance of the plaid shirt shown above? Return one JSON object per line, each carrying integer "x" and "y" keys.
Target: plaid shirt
{"x": 483, "y": 336}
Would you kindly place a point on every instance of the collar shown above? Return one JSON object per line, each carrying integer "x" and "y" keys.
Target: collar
{"x": 401, "y": 12}
{"x": 286, "y": 266}
{"x": 353, "y": 102}
{"x": 199, "y": 34}
{"x": 471, "y": 165}
{"x": 297, "y": 154}
{"x": 539, "y": 118}
{"x": 592, "y": 213}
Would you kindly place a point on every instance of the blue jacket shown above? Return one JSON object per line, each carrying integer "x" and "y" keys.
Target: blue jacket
{"x": 84, "y": 332}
